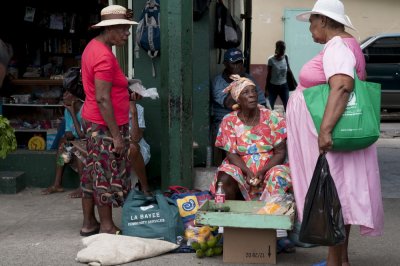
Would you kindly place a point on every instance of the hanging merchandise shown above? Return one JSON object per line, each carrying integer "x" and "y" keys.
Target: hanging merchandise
{"x": 200, "y": 7}
{"x": 228, "y": 33}
{"x": 148, "y": 31}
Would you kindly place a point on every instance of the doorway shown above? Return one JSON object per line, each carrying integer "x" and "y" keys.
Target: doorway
{"x": 299, "y": 45}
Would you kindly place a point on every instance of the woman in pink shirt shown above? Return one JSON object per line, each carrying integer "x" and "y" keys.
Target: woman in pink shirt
{"x": 105, "y": 114}
{"x": 356, "y": 173}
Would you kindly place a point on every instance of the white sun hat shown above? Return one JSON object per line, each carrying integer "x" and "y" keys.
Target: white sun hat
{"x": 333, "y": 9}
{"x": 115, "y": 15}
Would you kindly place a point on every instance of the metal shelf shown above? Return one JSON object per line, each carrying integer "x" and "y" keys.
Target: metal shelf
{"x": 37, "y": 82}
{"x": 30, "y": 130}
{"x": 32, "y": 104}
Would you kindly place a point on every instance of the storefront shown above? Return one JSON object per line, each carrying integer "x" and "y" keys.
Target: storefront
{"x": 49, "y": 36}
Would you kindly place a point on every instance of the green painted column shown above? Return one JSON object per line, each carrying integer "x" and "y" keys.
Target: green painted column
{"x": 176, "y": 93}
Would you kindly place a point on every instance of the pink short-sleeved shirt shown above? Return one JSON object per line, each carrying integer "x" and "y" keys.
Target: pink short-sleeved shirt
{"x": 98, "y": 62}
{"x": 329, "y": 62}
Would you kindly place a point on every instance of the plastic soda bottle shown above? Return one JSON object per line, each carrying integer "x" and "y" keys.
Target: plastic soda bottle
{"x": 219, "y": 197}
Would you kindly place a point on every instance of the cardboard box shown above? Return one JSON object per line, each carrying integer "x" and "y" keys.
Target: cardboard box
{"x": 246, "y": 245}
{"x": 248, "y": 237}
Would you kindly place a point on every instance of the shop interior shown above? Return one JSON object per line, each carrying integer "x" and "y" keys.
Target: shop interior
{"x": 47, "y": 38}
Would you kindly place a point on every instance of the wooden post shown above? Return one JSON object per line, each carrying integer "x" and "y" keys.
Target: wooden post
{"x": 176, "y": 93}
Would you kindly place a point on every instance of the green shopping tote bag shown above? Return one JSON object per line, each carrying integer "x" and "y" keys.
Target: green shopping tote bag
{"x": 359, "y": 125}
{"x": 155, "y": 217}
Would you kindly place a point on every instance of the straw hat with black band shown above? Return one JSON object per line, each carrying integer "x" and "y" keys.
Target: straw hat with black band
{"x": 333, "y": 9}
{"x": 115, "y": 15}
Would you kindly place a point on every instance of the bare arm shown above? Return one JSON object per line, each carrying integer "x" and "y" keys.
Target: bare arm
{"x": 103, "y": 98}
{"x": 341, "y": 86}
{"x": 136, "y": 132}
{"x": 268, "y": 79}
{"x": 276, "y": 159}
{"x": 73, "y": 109}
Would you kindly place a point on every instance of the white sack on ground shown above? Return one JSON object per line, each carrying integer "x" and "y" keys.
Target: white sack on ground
{"x": 107, "y": 249}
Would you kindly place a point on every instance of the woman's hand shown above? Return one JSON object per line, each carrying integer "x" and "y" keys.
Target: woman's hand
{"x": 249, "y": 176}
{"x": 118, "y": 145}
{"x": 325, "y": 142}
{"x": 135, "y": 97}
{"x": 260, "y": 175}
{"x": 258, "y": 178}
{"x": 266, "y": 92}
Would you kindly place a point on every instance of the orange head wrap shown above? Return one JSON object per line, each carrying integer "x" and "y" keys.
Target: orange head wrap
{"x": 237, "y": 85}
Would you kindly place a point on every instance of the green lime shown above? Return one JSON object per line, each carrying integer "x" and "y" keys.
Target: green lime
{"x": 209, "y": 252}
{"x": 217, "y": 251}
{"x": 199, "y": 253}
{"x": 203, "y": 246}
{"x": 195, "y": 245}
{"x": 212, "y": 242}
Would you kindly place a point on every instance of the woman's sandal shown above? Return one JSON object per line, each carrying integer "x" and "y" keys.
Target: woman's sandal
{"x": 51, "y": 190}
{"x": 94, "y": 232}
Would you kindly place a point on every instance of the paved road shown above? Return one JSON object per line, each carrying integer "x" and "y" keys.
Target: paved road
{"x": 390, "y": 129}
{"x": 43, "y": 230}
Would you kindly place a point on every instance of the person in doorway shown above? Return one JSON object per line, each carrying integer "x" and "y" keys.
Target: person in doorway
{"x": 106, "y": 176}
{"x": 6, "y": 52}
{"x": 223, "y": 103}
{"x": 73, "y": 99}
{"x": 276, "y": 82}
{"x": 336, "y": 64}
{"x": 139, "y": 152}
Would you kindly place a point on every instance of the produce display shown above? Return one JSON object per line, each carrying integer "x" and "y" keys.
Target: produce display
{"x": 205, "y": 240}
{"x": 278, "y": 205}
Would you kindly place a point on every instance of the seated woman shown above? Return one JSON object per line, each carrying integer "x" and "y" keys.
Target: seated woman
{"x": 73, "y": 101}
{"x": 255, "y": 141}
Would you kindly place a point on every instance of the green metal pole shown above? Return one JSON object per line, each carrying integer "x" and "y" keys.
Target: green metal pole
{"x": 176, "y": 93}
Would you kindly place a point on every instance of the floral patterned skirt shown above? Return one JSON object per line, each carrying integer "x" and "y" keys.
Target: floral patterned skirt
{"x": 277, "y": 181}
{"x": 106, "y": 176}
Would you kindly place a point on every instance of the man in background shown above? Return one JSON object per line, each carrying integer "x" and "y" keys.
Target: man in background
{"x": 222, "y": 102}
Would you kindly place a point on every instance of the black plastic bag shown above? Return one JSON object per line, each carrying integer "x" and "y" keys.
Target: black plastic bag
{"x": 322, "y": 217}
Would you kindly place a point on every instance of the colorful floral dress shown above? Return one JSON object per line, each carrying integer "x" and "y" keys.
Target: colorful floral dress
{"x": 254, "y": 144}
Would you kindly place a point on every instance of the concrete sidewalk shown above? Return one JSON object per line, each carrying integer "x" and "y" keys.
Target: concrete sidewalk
{"x": 44, "y": 230}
